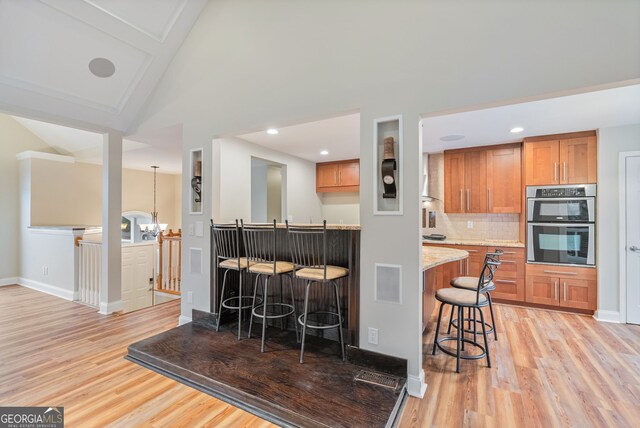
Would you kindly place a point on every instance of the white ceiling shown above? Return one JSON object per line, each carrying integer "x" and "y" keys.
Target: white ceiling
{"x": 340, "y": 136}
{"x": 162, "y": 147}
{"x": 588, "y": 111}
{"x": 46, "y": 46}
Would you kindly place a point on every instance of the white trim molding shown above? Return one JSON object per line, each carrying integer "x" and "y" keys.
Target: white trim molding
{"x": 184, "y": 320}
{"x": 9, "y": 281}
{"x": 47, "y": 288}
{"x": 622, "y": 238}
{"x": 607, "y": 316}
{"x": 107, "y": 308}
{"x": 416, "y": 386}
{"x": 30, "y": 154}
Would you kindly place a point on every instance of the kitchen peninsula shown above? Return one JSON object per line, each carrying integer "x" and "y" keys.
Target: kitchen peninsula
{"x": 432, "y": 257}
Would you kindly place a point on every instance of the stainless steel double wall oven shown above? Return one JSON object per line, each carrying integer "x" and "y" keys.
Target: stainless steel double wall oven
{"x": 561, "y": 224}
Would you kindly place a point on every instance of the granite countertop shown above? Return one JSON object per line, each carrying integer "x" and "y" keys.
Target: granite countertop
{"x": 434, "y": 256}
{"x": 482, "y": 242}
{"x": 63, "y": 227}
{"x": 329, "y": 226}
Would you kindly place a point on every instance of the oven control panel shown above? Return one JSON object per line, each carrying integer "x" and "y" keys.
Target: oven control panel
{"x": 575, "y": 191}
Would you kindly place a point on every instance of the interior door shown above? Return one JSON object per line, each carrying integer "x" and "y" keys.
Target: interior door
{"x": 632, "y": 198}
{"x": 475, "y": 181}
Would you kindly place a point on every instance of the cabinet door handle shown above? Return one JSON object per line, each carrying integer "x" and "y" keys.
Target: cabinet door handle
{"x": 564, "y": 170}
{"x": 490, "y": 202}
{"x": 461, "y": 201}
{"x": 505, "y": 280}
{"x": 508, "y": 261}
{"x": 555, "y": 171}
{"x": 557, "y": 272}
{"x": 555, "y": 290}
{"x": 564, "y": 284}
{"x": 468, "y": 192}
{"x": 472, "y": 251}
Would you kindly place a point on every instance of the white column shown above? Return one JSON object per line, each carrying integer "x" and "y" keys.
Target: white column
{"x": 110, "y": 285}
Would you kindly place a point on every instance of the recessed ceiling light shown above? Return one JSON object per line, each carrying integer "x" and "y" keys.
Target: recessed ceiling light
{"x": 272, "y": 131}
{"x": 516, "y": 130}
{"x": 452, "y": 137}
{"x": 102, "y": 67}
{"x": 324, "y": 152}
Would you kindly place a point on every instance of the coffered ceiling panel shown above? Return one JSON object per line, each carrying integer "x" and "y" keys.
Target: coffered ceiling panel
{"x": 151, "y": 17}
{"x": 46, "y": 47}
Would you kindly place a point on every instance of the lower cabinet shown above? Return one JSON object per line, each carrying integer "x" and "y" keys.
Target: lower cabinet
{"x": 562, "y": 286}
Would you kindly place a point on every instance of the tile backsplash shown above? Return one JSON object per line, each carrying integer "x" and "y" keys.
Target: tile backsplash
{"x": 484, "y": 226}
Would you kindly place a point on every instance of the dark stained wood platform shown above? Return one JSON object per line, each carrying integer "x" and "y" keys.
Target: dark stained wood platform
{"x": 321, "y": 392}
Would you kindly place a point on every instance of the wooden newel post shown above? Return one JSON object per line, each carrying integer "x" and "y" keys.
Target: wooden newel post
{"x": 159, "y": 283}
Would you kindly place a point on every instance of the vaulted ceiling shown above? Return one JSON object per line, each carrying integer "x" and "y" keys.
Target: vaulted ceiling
{"x": 46, "y": 47}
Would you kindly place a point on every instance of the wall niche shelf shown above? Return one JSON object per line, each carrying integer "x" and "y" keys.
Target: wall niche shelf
{"x": 387, "y": 158}
{"x": 195, "y": 180}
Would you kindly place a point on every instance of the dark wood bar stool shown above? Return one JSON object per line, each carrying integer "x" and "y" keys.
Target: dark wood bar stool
{"x": 471, "y": 300}
{"x": 260, "y": 245}
{"x": 470, "y": 283}
{"x": 226, "y": 239}
{"x": 308, "y": 246}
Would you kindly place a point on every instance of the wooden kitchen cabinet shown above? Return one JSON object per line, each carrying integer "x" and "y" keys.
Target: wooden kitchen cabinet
{"x": 483, "y": 179}
{"x": 340, "y": 176}
{"x": 561, "y": 159}
{"x": 509, "y": 279}
{"x": 504, "y": 180}
{"x": 454, "y": 182}
{"x": 578, "y": 160}
{"x": 562, "y": 286}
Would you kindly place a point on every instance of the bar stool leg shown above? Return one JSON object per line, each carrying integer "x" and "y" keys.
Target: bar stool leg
{"x": 335, "y": 287}
{"x": 458, "y": 337}
{"x": 240, "y": 274}
{"x": 435, "y": 340}
{"x": 253, "y": 304}
{"x": 493, "y": 321}
{"x": 264, "y": 310}
{"x": 451, "y": 320}
{"x": 224, "y": 282}
{"x": 484, "y": 334}
{"x": 304, "y": 319}
{"x": 295, "y": 313}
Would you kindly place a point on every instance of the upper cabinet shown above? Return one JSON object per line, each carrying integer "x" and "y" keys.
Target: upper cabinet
{"x": 561, "y": 159}
{"x": 483, "y": 179}
{"x": 339, "y": 176}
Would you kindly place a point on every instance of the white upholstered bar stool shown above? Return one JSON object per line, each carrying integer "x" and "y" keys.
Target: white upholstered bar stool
{"x": 308, "y": 246}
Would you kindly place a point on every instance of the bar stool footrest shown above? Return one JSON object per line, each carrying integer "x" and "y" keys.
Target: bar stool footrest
{"x": 488, "y": 326}
{"x": 226, "y": 304}
{"x": 263, "y": 315}
{"x": 464, "y": 357}
{"x": 320, "y": 326}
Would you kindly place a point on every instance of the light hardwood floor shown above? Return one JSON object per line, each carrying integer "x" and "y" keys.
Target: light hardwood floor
{"x": 58, "y": 353}
{"x": 550, "y": 369}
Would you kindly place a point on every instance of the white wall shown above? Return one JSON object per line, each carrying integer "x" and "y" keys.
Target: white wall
{"x": 341, "y": 208}
{"x": 611, "y": 141}
{"x": 14, "y": 138}
{"x": 70, "y": 193}
{"x": 298, "y": 175}
{"x": 251, "y": 65}
{"x": 258, "y": 192}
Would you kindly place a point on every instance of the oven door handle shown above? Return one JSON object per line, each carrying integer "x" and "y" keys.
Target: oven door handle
{"x": 577, "y": 198}
{"x": 589, "y": 224}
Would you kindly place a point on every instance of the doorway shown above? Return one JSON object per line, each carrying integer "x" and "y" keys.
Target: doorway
{"x": 630, "y": 233}
{"x": 267, "y": 188}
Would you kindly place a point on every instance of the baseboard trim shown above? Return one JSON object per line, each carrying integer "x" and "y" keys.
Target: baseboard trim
{"x": 9, "y": 281}
{"x": 416, "y": 386}
{"x": 184, "y": 320}
{"x": 107, "y": 308}
{"x": 607, "y": 316}
{"x": 46, "y": 288}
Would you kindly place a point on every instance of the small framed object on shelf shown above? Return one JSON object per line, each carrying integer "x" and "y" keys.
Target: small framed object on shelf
{"x": 387, "y": 158}
{"x": 195, "y": 171}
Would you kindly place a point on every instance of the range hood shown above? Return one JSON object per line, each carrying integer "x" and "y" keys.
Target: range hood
{"x": 425, "y": 179}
